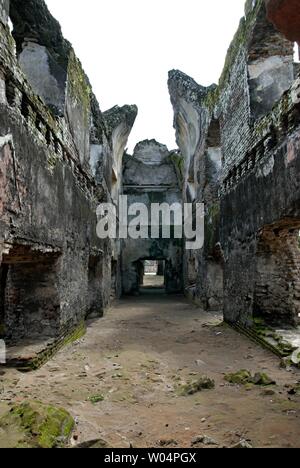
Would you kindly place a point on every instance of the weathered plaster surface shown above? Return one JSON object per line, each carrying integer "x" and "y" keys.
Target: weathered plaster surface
{"x": 56, "y": 155}
{"x": 256, "y": 189}
{"x": 149, "y": 176}
{"x": 35, "y": 62}
{"x": 119, "y": 123}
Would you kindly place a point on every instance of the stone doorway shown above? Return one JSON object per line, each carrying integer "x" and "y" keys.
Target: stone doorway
{"x": 114, "y": 280}
{"x": 29, "y": 294}
{"x": 154, "y": 274}
{"x": 95, "y": 286}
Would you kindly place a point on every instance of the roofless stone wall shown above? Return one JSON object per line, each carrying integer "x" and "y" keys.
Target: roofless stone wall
{"x": 248, "y": 128}
{"x": 152, "y": 176}
{"x": 57, "y": 154}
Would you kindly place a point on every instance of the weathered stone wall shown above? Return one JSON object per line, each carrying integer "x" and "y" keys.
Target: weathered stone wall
{"x": 150, "y": 176}
{"x": 199, "y": 139}
{"x": 258, "y": 191}
{"x": 56, "y": 153}
{"x": 277, "y": 288}
{"x": 258, "y": 70}
{"x": 119, "y": 124}
{"x": 269, "y": 194}
{"x": 257, "y": 108}
{"x": 30, "y": 294}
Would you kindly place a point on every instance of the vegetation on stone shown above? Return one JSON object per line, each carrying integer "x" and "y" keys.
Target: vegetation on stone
{"x": 195, "y": 386}
{"x": 238, "y": 154}
{"x": 244, "y": 377}
{"x": 241, "y": 377}
{"x": 38, "y": 425}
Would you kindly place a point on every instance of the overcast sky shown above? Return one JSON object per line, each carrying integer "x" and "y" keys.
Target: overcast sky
{"x": 127, "y": 48}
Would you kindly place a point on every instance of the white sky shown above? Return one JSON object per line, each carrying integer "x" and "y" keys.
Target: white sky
{"x": 127, "y": 48}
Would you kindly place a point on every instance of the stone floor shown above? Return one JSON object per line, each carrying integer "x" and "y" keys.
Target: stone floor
{"x": 153, "y": 281}
{"x": 121, "y": 380}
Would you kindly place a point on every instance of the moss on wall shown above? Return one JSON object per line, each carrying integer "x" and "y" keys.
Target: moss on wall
{"x": 78, "y": 85}
{"x": 178, "y": 161}
{"x": 240, "y": 39}
{"x": 212, "y": 98}
{"x": 212, "y": 220}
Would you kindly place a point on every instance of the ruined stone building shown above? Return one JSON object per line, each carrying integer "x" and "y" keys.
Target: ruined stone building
{"x": 240, "y": 142}
{"x": 152, "y": 175}
{"x": 60, "y": 157}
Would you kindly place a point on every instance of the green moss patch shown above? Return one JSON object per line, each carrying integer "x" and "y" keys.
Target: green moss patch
{"x": 244, "y": 377}
{"x": 96, "y": 399}
{"x": 178, "y": 161}
{"x": 38, "y": 425}
{"x": 260, "y": 378}
{"x": 240, "y": 40}
{"x": 212, "y": 221}
{"x": 79, "y": 87}
{"x": 195, "y": 386}
{"x": 268, "y": 334}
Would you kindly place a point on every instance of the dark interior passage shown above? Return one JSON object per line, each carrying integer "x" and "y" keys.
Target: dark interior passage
{"x": 95, "y": 279}
{"x": 29, "y": 294}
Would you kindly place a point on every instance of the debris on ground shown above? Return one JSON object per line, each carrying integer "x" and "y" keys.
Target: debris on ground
{"x": 195, "y": 386}
{"x": 204, "y": 440}
{"x": 268, "y": 392}
{"x": 242, "y": 444}
{"x": 167, "y": 443}
{"x": 262, "y": 379}
{"x": 93, "y": 444}
{"x": 244, "y": 377}
{"x": 294, "y": 389}
{"x": 96, "y": 399}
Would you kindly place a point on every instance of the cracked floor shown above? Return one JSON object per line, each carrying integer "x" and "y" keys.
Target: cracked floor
{"x": 120, "y": 381}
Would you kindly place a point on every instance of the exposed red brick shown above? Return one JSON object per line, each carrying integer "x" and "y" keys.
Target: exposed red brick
{"x": 285, "y": 15}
